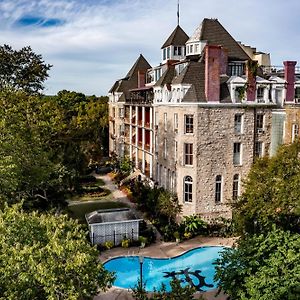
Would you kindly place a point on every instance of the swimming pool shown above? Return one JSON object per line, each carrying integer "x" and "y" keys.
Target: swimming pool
{"x": 194, "y": 267}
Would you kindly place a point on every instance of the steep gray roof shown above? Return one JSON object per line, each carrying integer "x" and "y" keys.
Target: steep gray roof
{"x": 194, "y": 74}
{"x": 166, "y": 77}
{"x": 178, "y": 37}
{"x": 130, "y": 81}
{"x": 214, "y": 33}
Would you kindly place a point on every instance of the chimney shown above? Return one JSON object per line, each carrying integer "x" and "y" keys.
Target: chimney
{"x": 141, "y": 78}
{"x": 224, "y": 61}
{"x": 289, "y": 76}
{"x": 213, "y": 56}
{"x": 251, "y": 70}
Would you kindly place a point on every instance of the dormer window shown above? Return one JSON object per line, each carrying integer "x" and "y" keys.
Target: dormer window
{"x": 260, "y": 93}
{"x": 165, "y": 54}
{"x": 297, "y": 93}
{"x": 177, "y": 51}
{"x": 235, "y": 68}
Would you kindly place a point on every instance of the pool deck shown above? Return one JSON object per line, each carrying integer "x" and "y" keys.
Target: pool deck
{"x": 162, "y": 250}
{"x": 159, "y": 249}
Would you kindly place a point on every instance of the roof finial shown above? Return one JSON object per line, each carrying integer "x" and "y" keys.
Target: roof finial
{"x": 178, "y": 12}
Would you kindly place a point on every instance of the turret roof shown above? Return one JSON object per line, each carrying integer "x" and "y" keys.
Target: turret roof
{"x": 178, "y": 37}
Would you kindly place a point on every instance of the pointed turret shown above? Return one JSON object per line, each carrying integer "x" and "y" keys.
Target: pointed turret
{"x": 173, "y": 48}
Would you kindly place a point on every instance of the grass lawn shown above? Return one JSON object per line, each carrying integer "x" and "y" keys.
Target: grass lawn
{"x": 78, "y": 211}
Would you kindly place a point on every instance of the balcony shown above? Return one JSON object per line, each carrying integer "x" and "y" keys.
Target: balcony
{"x": 142, "y": 96}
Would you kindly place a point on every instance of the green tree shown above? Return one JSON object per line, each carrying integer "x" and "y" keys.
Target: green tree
{"x": 177, "y": 292}
{"x": 271, "y": 194}
{"x": 262, "y": 267}
{"x": 44, "y": 256}
{"x": 22, "y": 69}
{"x": 168, "y": 206}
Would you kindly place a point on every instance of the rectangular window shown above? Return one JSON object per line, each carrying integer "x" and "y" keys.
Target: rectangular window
{"x": 238, "y": 123}
{"x": 121, "y": 112}
{"x": 218, "y": 189}
{"x": 259, "y": 123}
{"x": 168, "y": 52}
{"x": 164, "y": 54}
{"x": 188, "y": 123}
{"x": 295, "y": 132}
{"x": 165, "y": 149}
{"x": 165, "y": 121}
{"x": 188, "y": 154}
{"x": 176, "y": 122}
{"x": 260, "y": 93}
{"x": 156, "y": 119}
{"x": 258, "y": 151}
{"x": 114, "y": 112}
{"x": 177, "y": 50}
{"x": 297, "y": 93}
{"x": 175, "y": 150}
{"x": 235, "y": 69}
{"x": 237, "y": 154}
{"x": 235, "y": 187}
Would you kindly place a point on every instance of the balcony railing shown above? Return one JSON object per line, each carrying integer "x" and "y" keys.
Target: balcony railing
{"x": 277, "y": 69}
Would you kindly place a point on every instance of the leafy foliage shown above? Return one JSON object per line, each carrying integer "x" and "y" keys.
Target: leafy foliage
{"x": 22, "y": 69}
{"x": 262, "y": 267}
{"x": 47, "y": 257}
{"x": 177, "y": 292}
{"x": 271, "y": 193}
{"x": 193, "y": 224}
{"x": 45, "y": 144}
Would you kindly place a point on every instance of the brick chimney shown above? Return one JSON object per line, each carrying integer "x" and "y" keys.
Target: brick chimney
{"x": 251, "y": 80}
{"x": 224, "y": 61}
{"x": 212, "y": 72}
{"x": 141, "y": 78}
{"x": 289, "y": 76}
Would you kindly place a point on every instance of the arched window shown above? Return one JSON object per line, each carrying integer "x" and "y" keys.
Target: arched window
{"x": 235, "y": 187}
{"x": 188, "y": 189}
{"x": 218, "y": 190}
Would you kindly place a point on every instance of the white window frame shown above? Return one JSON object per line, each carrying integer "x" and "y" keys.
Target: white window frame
{"x": 188, "y": 157}
{"x": 236, "y": 124}
{"x": 188, "y": 127}
{"x": 237, "y": 156}
{"x": 187, "y": 189}
{"x": 165, "y": 121}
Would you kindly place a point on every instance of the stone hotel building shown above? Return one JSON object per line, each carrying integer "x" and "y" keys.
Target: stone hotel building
{"x": 195, "y": 123}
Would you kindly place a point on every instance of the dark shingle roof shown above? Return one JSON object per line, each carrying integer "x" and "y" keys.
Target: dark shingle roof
{"x": 166, "y": 77}
{"x": 214, "y": 33}
{"x": 130, "y": 81}
{"x": 178, "y": 37}
{"x": 194, "y": 74}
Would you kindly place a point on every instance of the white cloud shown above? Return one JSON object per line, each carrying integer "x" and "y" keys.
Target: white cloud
{"x": 100, "y": 40}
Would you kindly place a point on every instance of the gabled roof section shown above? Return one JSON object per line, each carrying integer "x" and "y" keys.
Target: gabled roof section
{"x": 140, "y": 64}
{"x": 130, "y": 81}
{"x": 193, "y": 74}
{"x": 214, "y": 33}
{"x": 178, "y": 37}
{"x": 166, "y": 77}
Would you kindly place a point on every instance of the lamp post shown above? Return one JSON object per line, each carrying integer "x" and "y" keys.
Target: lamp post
{"x": 141, "y": 260}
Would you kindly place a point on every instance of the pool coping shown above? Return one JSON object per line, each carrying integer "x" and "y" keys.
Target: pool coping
{"x": 166, "y": 258}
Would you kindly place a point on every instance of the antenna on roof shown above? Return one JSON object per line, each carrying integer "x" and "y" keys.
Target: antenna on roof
{"x": 178, "y": 12}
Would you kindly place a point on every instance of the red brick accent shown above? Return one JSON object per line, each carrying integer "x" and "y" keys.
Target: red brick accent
{"x": 213, "y": 56}
{"x": 289, "y": 76}
{"x": 141, "y": 78}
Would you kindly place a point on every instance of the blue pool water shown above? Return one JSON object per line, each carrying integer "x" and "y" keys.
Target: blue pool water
{"x": 194, "y": 267}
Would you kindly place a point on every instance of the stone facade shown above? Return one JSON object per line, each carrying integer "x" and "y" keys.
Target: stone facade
{"x": 233, "y": 114}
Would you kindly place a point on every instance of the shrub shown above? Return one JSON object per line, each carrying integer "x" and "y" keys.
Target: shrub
{"x": 87, "y": 179}
{"x": 125, "y": 243}
{"x": 108, "y": 245}
{"x": 193, "y": 225}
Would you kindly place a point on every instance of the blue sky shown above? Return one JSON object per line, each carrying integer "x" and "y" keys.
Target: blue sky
{"x": 91, "y": 43}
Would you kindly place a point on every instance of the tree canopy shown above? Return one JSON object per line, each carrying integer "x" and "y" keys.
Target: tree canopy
{"x": 266, "y": 262}
{"x": 22, "y": 69}
{"x": 262, "y": 267}
{"x": 271, "y": 194}
{"x": 47, "y": 142}
{"x": 47, "y": 256}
